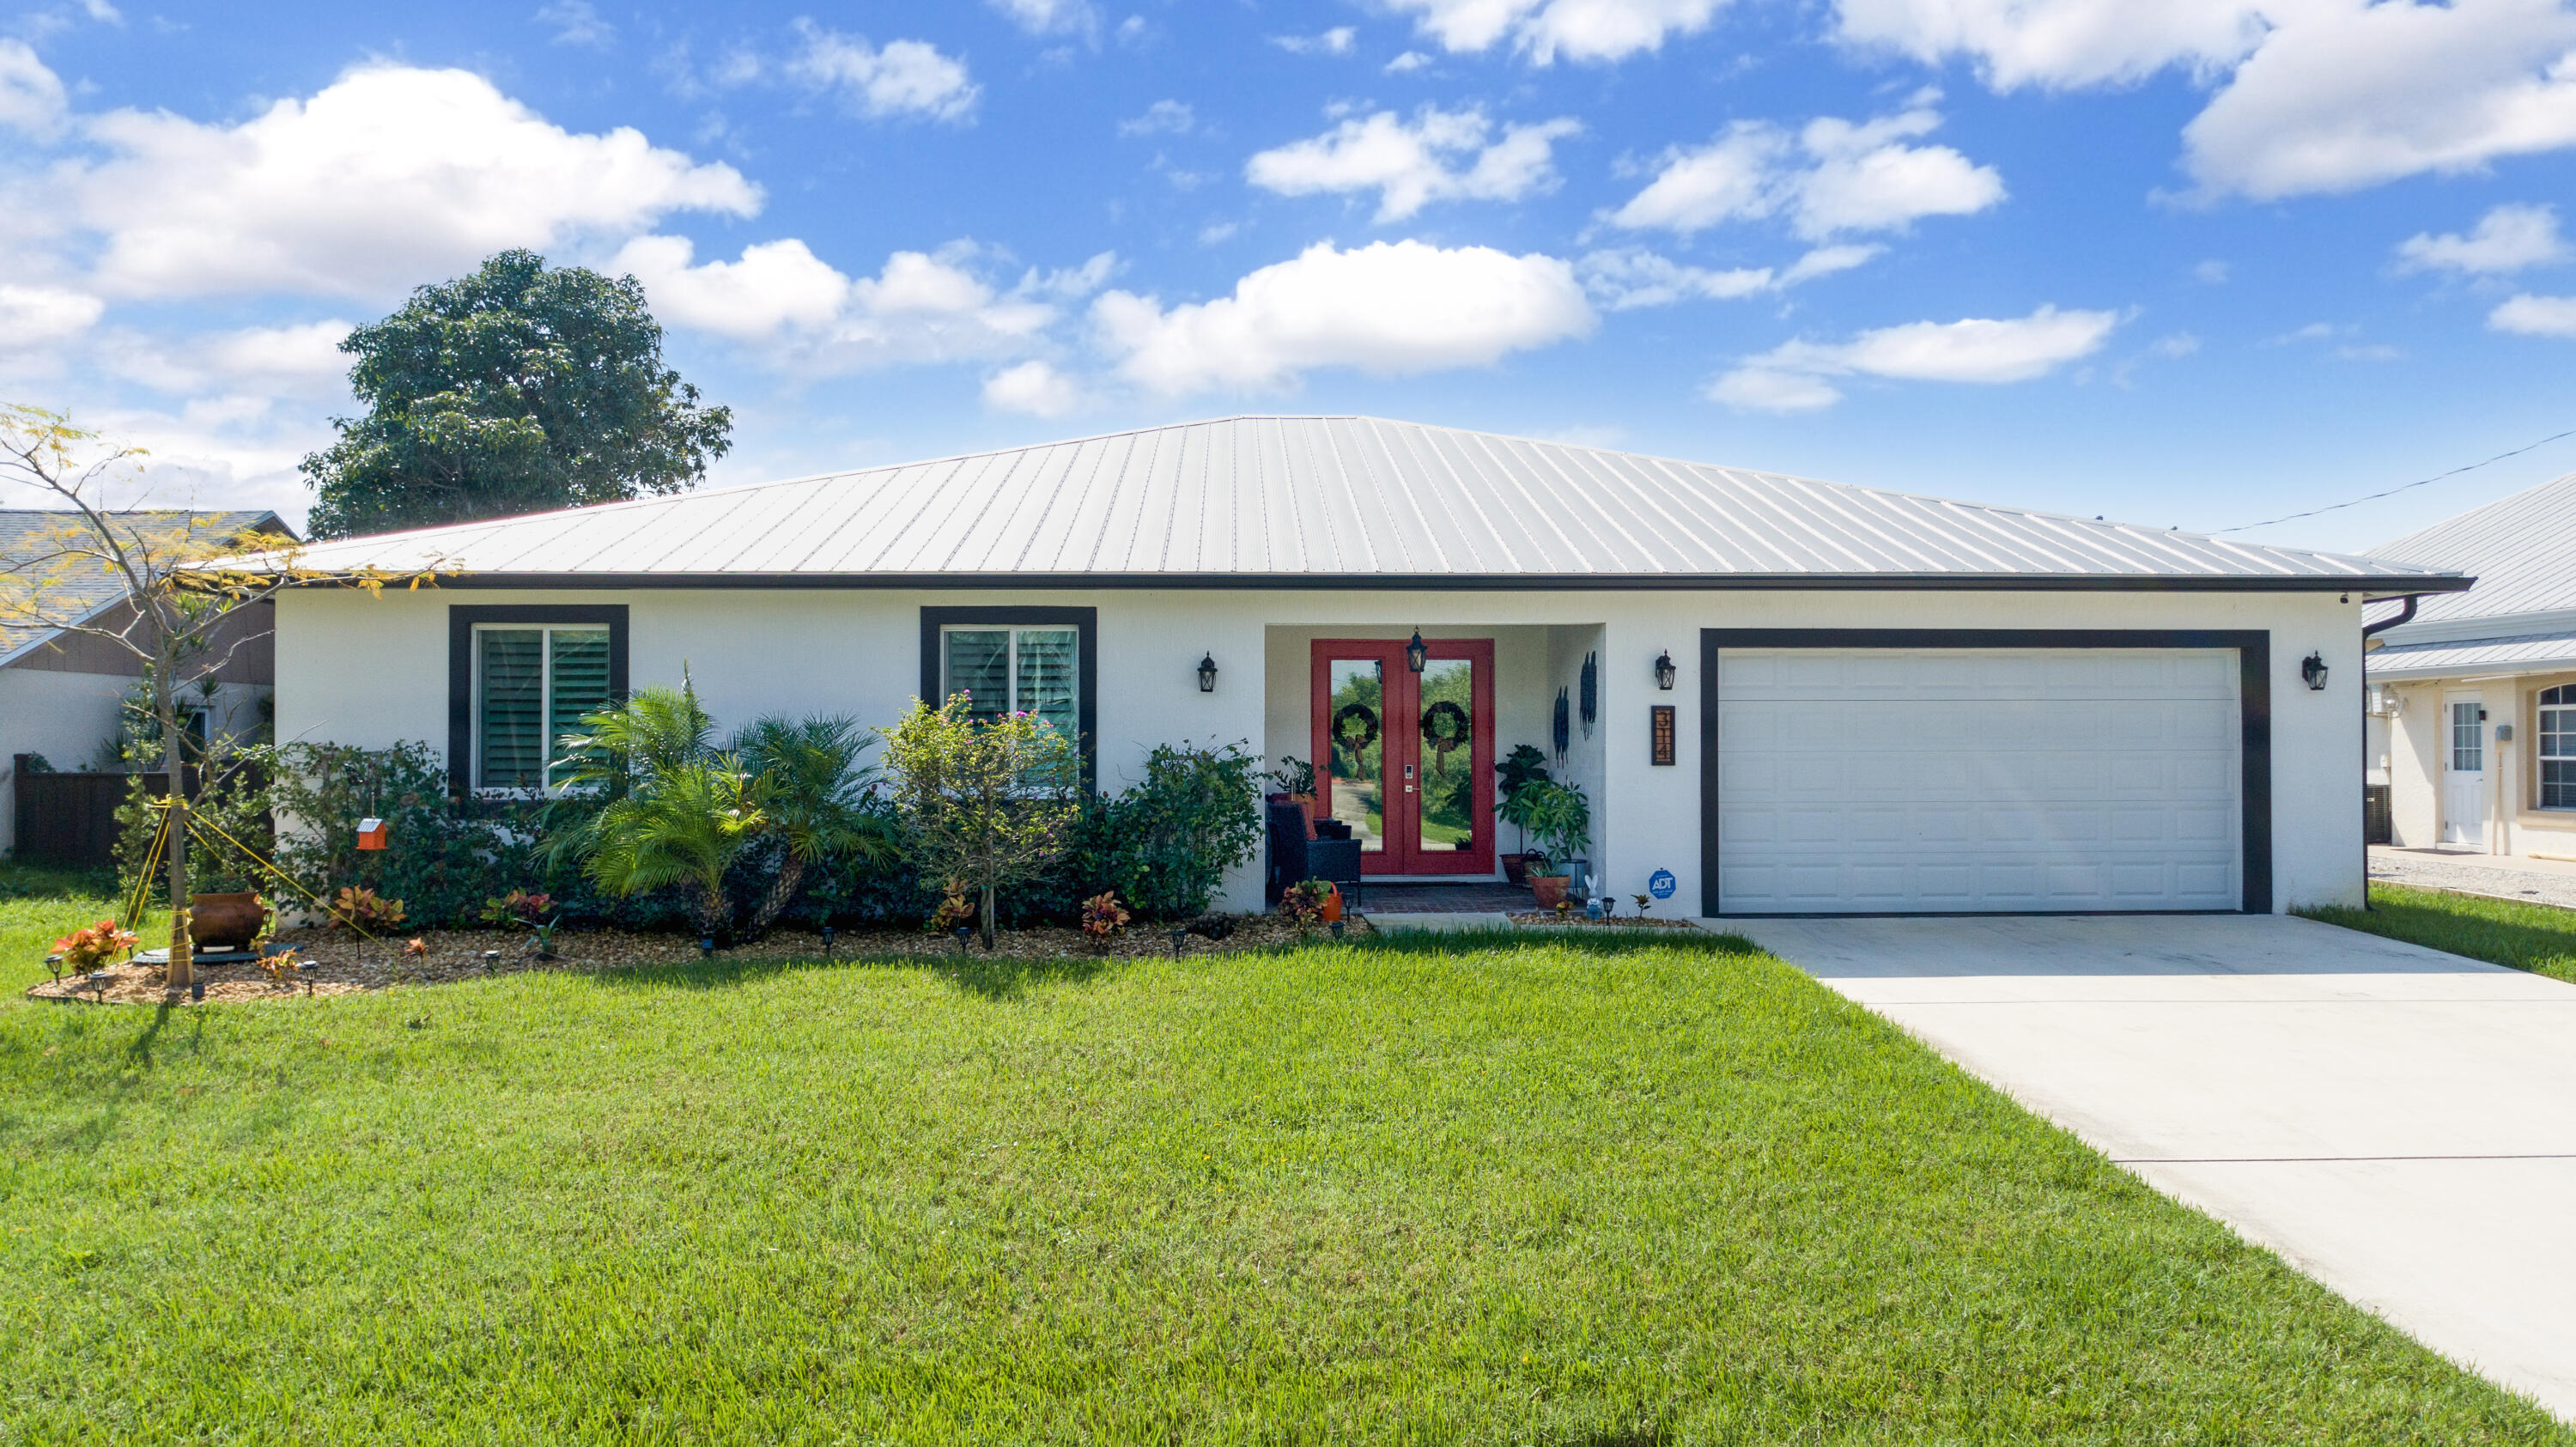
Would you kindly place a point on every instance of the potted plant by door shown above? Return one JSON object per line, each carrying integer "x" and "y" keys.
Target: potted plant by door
{"x": 1293, "y": 782}
{"x": 1560, "y": 818}
{"x": 1517, "y": 770}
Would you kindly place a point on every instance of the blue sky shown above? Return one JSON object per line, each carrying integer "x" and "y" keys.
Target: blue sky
{"x": 2200, "y": 262}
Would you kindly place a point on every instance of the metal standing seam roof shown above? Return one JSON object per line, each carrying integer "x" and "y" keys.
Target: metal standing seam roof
{"x": 1263, "y": 501}
{"x": 2522, "y": 550}
{"x": 2527, "y": 654}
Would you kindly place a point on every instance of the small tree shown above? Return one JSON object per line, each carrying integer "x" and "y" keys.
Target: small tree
{"x": 657, "y": 805}
{"x": 813, "y": 792}
{"x": 176, "y": 578}
{"x": 989, "y": 803}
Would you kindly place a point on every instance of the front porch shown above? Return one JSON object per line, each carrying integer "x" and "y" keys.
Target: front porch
{"x": 1404, "y": 756}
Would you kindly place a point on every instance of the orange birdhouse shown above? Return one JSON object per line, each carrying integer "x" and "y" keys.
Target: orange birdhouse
{"x": 371, "y": 833}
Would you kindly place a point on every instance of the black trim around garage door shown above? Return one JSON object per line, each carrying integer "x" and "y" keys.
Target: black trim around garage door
{"x": 2254, "y": 707}
{"x": 460, "y": 667}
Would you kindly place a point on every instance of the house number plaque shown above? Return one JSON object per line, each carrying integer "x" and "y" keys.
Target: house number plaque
{"x": 1661, "y": 734}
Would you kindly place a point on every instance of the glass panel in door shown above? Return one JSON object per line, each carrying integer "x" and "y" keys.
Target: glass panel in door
{"x": 1355, "y": 724}
{"x": 1447, "y": 728}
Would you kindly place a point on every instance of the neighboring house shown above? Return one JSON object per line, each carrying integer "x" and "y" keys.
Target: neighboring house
{"x": 62, "y": 692}
{"x": 1811, "y": 698}
{"x": 2474, "y": 697}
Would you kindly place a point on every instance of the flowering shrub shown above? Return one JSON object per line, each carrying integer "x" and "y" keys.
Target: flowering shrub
{"x": 1103, "y": 917}
{"x": 84, "y": 950}
{"x": 362, "y": 910}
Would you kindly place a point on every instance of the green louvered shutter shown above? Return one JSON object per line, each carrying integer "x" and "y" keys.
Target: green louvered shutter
{"x": 580, "y": 659}
{"x": 510, "y": 747}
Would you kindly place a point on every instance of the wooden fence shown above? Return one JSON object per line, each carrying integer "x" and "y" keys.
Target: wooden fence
{"x": 70, "y": 819}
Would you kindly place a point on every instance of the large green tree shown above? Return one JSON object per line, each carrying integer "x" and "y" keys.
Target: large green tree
{"x": 519, "y": 388}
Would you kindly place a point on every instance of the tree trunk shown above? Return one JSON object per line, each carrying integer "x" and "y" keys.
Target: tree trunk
{"x": 782, "y": 891}
{"x": 183, "y": 964}
{"x": 714, "y": 911}
{"x": 988, "y": 919}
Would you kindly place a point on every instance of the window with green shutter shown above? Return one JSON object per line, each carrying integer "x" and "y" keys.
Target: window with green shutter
{"x": 531, "y": 687}
{"x": 1016, "y": 670}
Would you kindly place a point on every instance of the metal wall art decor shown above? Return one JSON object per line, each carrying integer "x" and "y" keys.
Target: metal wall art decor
{"x": 1591, "y": 691}
{"x": 1660, "y": 736}
{"x": 1564, "y": 730}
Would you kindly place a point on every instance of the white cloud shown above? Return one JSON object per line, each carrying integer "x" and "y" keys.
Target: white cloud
{"x": 799, "y": 312}
{"x": 1162, "y": 118}
{"x": 40, "y": 316}
{"x": 2508, "y": 238}
{"x": 1408, "y": 62}
{"x": 388, "y": 177}
{"x": 1583, "y": 30}
{"x": 31, "y": 96}
{"x": 254, "y": 364}
{"x": 1385, "y": 308}
{"x": 1408, "y": 164}
{"x": 2210, "y": 273}
{"x": 576, "y": 22}
{"x": 1053, "y": 17}
{"x": 1793, "y": 376}
{"x": 1835, "y": 176}
{"x": 2175, "y": 345}
{"x": 2352, "y": 96}
{"x": 904, "y": 78}
{"x": 1033, "y": 387}
{"x": 2059, "y": 44}
{"x": 2316, "y": 95}
{"x": 1624, "y": 280}
{"x": 2536, "y": 316}
{"x": 1336, "y": 41}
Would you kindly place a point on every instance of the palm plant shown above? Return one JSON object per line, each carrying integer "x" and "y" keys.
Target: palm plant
{"x": 686, "y": 828}
{"x": 813, "y": 792}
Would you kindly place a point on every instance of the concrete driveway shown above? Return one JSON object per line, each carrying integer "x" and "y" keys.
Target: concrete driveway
{"x": 2396, "y": 1122}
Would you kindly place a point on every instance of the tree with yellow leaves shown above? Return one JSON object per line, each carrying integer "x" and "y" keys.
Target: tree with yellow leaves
{"x": 177, "y": 578}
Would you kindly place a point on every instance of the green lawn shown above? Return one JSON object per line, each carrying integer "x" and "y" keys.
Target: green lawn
{"x": 1603, "y": 1191}
{"x": 2536, "y": 937}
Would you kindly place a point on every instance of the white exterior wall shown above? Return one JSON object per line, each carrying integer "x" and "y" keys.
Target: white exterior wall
{"x": 371, "y": 671}
{"x": 68, "y": 717}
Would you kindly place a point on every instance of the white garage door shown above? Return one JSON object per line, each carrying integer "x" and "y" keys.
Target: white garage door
{"x": 1923, "y": 780}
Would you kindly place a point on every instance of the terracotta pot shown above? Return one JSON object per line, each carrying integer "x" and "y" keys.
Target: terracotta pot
{"x": 1550, "y": 888}
{"x": 1516, "y": 868}
{"x": 224, "y": 921}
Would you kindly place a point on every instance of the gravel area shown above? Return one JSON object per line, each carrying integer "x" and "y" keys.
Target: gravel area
{"x": 343, "y": 964}
{"x": 2419, "y": 872}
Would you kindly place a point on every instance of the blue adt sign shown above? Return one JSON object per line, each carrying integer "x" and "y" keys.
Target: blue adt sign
{"x": 1661, "y": 884}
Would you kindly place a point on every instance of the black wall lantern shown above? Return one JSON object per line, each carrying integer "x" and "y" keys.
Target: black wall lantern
{"x": 1207, "y": 673}
{"x": 1665, "y": 671}
{"x": 1415, "y": 652}
{"x": 2314, "y": 671}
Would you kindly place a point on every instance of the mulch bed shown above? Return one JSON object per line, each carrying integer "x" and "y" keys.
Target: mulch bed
{"x": 344, "y": 964}
{"x": 1574, "y": 919}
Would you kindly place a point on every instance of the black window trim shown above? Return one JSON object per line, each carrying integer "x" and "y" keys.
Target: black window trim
{"x": 461, "y": 622}
{"x": 2254, "y": 719}
{"x": 1086, "y": 669}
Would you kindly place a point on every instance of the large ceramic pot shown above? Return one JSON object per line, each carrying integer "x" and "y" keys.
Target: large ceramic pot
{"x": 1516, "y": 868}
{"x": 1549, "y": 888}
{"x": 224, "y": 921}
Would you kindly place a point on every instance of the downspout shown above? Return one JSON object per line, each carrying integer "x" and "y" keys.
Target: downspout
{"x": 2403, "y": 615}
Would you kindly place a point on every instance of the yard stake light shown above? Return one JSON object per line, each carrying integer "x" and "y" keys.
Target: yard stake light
{"x": 197, "y": 990}
{"x": 1179, "y": 937}
{"x": 706, "y": 947}
{"x": 963, "y": 931}
{"x": 1337, "y": 929}
{"x": 827, "y": 941}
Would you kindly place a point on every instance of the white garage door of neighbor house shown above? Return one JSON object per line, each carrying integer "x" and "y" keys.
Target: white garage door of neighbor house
{"x": 1924, "y": 780}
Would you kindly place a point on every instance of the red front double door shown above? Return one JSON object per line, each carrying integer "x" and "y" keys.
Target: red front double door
{"x": 1407, "y": 759}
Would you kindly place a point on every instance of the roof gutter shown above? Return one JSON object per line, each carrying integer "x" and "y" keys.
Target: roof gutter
{"x": 2403, "y": 615}
{"x": 2383, "y": 586}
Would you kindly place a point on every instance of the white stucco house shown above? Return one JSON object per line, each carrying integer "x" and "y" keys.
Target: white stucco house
{"x": 1808, "y": 697}
{"x": 61, "y": 691}
{"x": 2473, "y": 698}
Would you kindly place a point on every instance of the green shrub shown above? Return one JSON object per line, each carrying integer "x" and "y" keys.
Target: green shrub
{"x": 445, "y": 856}
{"x": 1168, "y": 841}
{"x": 234, "y": 795}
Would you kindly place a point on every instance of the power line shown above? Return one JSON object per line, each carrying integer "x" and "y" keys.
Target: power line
{"x": 2392, "y": 492}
